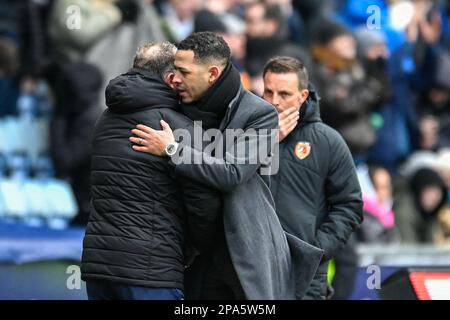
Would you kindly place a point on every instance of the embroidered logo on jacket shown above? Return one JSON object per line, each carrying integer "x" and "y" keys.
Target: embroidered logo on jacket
{"x": 302, "y": 150}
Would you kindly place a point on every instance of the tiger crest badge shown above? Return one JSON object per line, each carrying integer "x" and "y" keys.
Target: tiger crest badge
{"x": 302, "y": 150}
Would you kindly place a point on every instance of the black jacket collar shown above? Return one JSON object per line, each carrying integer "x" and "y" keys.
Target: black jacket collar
{"x": 213, "y": 106}
{"x": 139, "y": 89}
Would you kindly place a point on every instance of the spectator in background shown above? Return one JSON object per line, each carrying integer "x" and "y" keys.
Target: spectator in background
{"x": 235, "y": 37}
{"x": 113, "y": 52}
{"x": 109, "y": 34}
{"x": 429, "y": 133}
{"x": 445, "y": 16}
{"x": 23, "y": 49}
{"x": 391, "y": 21}
{"x": 75, "y": 91}
{"x": 418, "y": 202}
{"x": 379, "y": 220}
{"x": 9, "y": 80}
{"x": 443, "y": 166}
{"x": 97, "y": 18}
{"x": 433, "y": 105}
{"x": 312, "y": 12}
{"x": 348, "y": 93}
{"x": 443, "y": 229}
{"x": 24, "y": 22}
{"x": 267, "y": 36}
{"x": 425, "y": 26}
{"x": 178, "y": 18}
{"x": 430, "y": 57}
{"x": 393, "y": 117}
{"x": 232, "y": 29}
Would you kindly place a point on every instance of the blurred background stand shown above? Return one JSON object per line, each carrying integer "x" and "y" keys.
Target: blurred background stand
{"x": 40, "y": 263}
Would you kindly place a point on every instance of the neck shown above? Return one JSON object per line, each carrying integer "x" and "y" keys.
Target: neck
{"x": 213, "y": 105}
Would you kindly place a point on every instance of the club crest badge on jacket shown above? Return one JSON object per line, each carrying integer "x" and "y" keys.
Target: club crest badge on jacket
{"x": 302, "y": 150}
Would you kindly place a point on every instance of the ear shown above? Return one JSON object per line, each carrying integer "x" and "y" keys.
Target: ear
{"x": 168, "y": 79}
{"x": 304, "y": 94}
{"x": 214, "y": 73}
{"x": 169, "y": 76}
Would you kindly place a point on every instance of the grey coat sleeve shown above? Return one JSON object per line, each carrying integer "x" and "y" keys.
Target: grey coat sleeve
{"x": 344, "y": 200}
{"x": 225, "y": 173}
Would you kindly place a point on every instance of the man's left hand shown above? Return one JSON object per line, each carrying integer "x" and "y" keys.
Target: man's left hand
{"x": 152, "y": 141}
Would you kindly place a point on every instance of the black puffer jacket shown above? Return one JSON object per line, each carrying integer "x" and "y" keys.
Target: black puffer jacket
{"x": 135, "y": 233}
{"x": 316, "y": 190}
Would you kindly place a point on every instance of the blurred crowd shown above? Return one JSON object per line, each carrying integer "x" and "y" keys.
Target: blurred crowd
{"x": 381, "y": 67}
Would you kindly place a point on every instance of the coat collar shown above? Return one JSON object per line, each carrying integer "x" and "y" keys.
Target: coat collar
{"x": 232, "y": 107}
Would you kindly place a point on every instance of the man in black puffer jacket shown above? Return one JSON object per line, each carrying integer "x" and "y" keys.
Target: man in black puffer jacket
{"x": 134, "y": 242}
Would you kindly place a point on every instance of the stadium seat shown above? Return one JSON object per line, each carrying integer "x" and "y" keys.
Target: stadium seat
{"x": 15, "y": 204}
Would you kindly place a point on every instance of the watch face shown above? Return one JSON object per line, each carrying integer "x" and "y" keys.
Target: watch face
{"x": 171, "y": 149}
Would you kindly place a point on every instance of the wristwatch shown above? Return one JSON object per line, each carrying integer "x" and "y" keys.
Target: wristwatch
{"x": 171, "y": 149}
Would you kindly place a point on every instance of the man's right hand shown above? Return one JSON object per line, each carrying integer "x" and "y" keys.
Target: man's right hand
{"x": 152, "y": 141}
{"x": 287, "y": 121}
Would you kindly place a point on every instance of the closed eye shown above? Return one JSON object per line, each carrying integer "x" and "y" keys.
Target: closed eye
{"x": 183, "y": 71}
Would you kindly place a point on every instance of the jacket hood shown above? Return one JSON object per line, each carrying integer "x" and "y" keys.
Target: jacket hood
{"x": 423, "y": 178}
{"x": 138, "y": 89}
{"x": 311, "y": 112}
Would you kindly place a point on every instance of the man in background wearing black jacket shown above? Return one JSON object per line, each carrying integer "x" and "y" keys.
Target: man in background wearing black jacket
{"x": 135, "y": 237}
{"x": 316, "y": 190}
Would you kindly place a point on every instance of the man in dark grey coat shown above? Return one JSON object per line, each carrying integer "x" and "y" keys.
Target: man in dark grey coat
{"x": 316, "y": 190}
{"x": 252, "y": 258}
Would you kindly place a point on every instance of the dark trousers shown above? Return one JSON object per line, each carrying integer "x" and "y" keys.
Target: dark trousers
{"x": 108, "y": 290}
{"x": 212, "y": 277}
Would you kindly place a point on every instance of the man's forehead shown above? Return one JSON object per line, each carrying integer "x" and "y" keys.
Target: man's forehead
{"x": 184, "y": 55}
{"x": 285, "y": 77}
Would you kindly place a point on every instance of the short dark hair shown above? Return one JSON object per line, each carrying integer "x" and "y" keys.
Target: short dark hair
{"x": 156, "y": 57}
{"x": 272, "y": 11}
{"x": 207, "y": 47}
{"x": 288, "y": 65}
{"x": 327, "y": 31}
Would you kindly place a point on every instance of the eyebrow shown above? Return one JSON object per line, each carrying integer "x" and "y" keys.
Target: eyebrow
{"x": 180, "y": 68}
{"x": 281, "y": 92}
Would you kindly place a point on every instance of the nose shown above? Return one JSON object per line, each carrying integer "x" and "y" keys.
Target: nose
{"x": 176, "y": 78}
{"x": 275, "y": 100}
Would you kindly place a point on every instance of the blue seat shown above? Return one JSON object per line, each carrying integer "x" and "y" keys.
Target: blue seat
{"x": 38, "y": 137}
{"x": 4, "y": 143}
{"x": 61, "y": 199}
{"x": 18, "y": 165}
{"x": 15, "y": 139}
{"x": 14, "y": 201}
{"x": 35, "y": 195}
{"x": 43, "y": 167}
{"x": 3, "y": 167}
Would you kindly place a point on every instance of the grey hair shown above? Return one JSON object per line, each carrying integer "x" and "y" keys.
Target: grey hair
{"x": 156, "y": 57}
